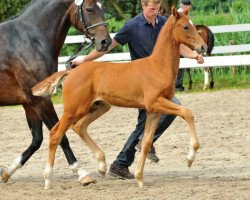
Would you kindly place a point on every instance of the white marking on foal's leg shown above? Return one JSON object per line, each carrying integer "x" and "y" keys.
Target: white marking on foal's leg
{"x": 102, "y": 167}
{"x": 192, "y": 154}
{"x": 7, "y": 172}
{"x": 77, "y": 169}
{"x": 48, "y": 172}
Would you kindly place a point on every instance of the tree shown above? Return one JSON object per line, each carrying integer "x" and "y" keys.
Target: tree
{"x": 167, "y": 5}
{"x": 126, "y": 9}
{"x": 10, "y": 8}
{"x": 122, "y": 9}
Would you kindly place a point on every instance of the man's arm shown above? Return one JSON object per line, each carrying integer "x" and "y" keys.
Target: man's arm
{"x": 94, "y": 54}
{"x": 188, "y": 53}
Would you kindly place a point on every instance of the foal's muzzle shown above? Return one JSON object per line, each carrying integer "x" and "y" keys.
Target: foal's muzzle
{"x": 201, "y": 49}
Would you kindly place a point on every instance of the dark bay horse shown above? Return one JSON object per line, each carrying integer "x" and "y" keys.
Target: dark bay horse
{"x": 29, "y": 48}
{"x": 90, "y": 89}
{"x": 208, "y": 37}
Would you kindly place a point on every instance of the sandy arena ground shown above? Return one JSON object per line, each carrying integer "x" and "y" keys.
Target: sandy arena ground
{"x": 221, "y": 169}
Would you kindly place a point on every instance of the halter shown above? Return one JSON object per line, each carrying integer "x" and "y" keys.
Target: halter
{"x": 79, "y": 12}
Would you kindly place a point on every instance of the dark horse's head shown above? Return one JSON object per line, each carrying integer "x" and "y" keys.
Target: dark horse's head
{"x": 88, "y": 17}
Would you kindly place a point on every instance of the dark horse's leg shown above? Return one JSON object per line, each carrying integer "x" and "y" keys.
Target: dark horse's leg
{"x": 212, "y": 78}
{"x": 190, "y": 82}
{"x": 35, "y": 125}
{"x": 48, "y": 115}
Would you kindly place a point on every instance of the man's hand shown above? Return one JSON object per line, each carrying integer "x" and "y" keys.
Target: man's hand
{"x": 200, "y": 59}
{"x": 70, "y": 65}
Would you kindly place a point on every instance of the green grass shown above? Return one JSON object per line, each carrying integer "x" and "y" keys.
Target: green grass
{"x": 223, "y": 78}
{"x": 57, "y": 98}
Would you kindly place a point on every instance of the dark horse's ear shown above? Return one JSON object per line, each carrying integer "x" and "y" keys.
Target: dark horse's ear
{"x": 174, "y": 12}
{"x": 185, "y": 11}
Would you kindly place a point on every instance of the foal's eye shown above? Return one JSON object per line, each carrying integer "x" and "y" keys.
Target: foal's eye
{"x": 185, "y": 27}
{"x": 89, "y": 10}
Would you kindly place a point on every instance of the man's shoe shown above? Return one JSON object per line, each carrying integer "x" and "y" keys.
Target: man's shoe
{"x": 151, "y": 154}
{"x": 122, "y": 173}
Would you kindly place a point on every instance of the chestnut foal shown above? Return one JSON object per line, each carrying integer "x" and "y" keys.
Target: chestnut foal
{"x": 91, "y": 88}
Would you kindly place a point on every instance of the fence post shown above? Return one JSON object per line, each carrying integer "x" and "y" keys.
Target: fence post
{"x": 234, "y": 68}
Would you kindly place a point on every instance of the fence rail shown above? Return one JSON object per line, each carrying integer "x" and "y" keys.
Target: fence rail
{"x": 215, "y": 61}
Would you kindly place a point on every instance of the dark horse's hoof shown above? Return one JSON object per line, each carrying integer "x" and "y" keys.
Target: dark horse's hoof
{"x": 87, "y": 180}
{"x": 4, "y": 175}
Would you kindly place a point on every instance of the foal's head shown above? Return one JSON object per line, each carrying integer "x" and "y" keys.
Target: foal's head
{"x": 184, "y": 32}
{"x": 88, "y": 17}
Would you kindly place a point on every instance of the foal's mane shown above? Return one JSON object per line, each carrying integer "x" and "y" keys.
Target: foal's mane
{"x": 167, "y": 29}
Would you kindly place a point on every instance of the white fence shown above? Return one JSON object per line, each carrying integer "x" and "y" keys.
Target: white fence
{"x": 213, "y": 61}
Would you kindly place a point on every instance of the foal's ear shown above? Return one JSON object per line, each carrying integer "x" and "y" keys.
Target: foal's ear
{"x": 174, "y": 11}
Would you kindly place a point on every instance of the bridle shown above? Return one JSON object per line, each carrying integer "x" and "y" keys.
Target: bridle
{"x": 79, "y": 13}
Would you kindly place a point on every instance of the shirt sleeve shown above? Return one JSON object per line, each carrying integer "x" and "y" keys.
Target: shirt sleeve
{"x": 123, "y": 36}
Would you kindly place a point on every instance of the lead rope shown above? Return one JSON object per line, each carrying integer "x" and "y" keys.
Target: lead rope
{"x": 80, "y": 49}
{"x": 79, "y": 13}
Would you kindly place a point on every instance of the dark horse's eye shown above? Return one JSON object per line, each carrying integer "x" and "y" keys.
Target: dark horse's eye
{"x": 89, "y": 10}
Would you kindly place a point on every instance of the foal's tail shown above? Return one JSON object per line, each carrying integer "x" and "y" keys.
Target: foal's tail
{"x": 47, "y": 86}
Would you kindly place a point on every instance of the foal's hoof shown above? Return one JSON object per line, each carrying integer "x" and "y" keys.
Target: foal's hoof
{"x": 87, "y": 180}
{"x": 140, "y": 183}
{"x": 4, "y": 175}
{"x": 189, "y": 162}
{"x": 48, "y": 185}
{"x": 139, "y": 180}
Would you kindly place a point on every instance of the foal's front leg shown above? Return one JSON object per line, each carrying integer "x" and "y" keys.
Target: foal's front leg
{"x": 150, "y": 127}
{"x": 165, "y": 106}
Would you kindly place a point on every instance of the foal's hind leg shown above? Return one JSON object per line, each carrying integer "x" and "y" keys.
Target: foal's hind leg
{"x": 95, "y": 111}
{"x": 56, "y": 135}
{"x": 150, "y": 127}
{"x": 35, "y": 125}
{"x": 47, "y": 113}
{"x": 72, "y": 113}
